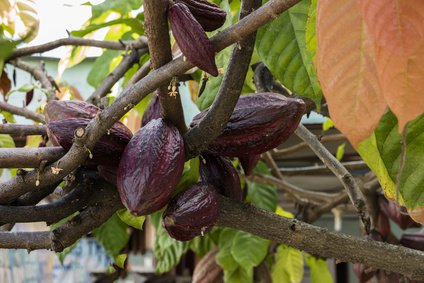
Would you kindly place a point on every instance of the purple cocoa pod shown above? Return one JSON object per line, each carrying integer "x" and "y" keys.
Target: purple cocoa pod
{"x": 248, "y": 162}
{"x": 413, "y": 241}
{"x": 152, "y": 111}
{"x": 260, "y": 122}
{"x": 219, "y": 172}
{"x": 209, "y": 15}
{"x": 192, "y": 39}
{"x": 63, "y": 109}
{"x": 191, "y": 213}
{"x": 150, "y": 168}
{"x": 108, "y": 149}
{"x": 396, "y": 213}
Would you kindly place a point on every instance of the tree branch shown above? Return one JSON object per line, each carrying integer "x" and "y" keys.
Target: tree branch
{"x": 120, "y": 70}
{"x": 220, "y": 112}
{"x": 355, "y": 194}
{"x": 30, "y": 157}
{"x": 319, "y": 241}
{"x": 23, "y": 130}
{"x": 76, "y": 41}
{"x": 141, "y": 73}
{"x": 98, "y": 126}
{"x": 20, "y": 111}
{"x": 156, "y": 25}
{"x": 318, "y": 170}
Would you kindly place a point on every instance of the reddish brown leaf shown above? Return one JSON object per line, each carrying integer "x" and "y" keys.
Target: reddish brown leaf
{"x": 28, "y": 97}
{"x": 346, "y": 69}
{"x": 5, "y": 83}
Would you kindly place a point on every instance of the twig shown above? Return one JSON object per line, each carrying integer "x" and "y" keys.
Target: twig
{"x": 22, "y": 130}
{"x": 220, "y": 112}
{"x": 319, "y": 241}
{"x": 30, "y": 157}
{"x": 37, "y": 73}
{"x": 76, "y": 41}
{"x": 97, "y": 127}
{"x": 156, "y": 25}
{"x": 141, "y": 73}
{"x": 352, "y": 189}
{"x": 120, "y": 70}
{"x": 315, "y": 212}
{"x": 318, "y": 170}
{"x": 271, "y": 163}
{"x": 4, "y": 106}
{"x": 276, "y": 153}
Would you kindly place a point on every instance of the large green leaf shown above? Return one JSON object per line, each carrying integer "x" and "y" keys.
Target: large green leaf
{"x": 310, "y": 36}
{"x": 262, "y": 196}
{"x": 120, "y": 6}
{"x": 319, "y": 272}
{"x": 382, "y": 152}
{"x": 281, "y": 45}
{"x": 131, "y": 220}
{"x": 288, "y": 267}
{"x": 102, "y": 67}
{"x": 112, "y": 235}
{"x": 249, "y": 250}
{"x": 201, "y": 245}
{"x": 167, "y": 251}
{"x": 135, "y": 24}
{"x": 6, "y": 141}
{"x": 239, "y": 275}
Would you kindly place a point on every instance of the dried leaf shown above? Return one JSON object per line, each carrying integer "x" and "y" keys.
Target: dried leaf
{"x": 28, "y": 97}
{"x": 346, "y": 69}
{"x": 5, "y": 83}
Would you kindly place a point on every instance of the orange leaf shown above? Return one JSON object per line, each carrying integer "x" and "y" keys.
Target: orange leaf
{"x": 5, "y": 83}
{"x": 396, "y": 25}
{"x": 346, "y": 69}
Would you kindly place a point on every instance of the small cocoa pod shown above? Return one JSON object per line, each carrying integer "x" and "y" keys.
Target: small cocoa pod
{"x": 219, "y": 172}
{"x": 192, "y": 39}
{"x": 150, "y": 168}
{"x": 152, "y": 111}
{"x": 192, "y": 212}
{"x": 397, "y": 213}
{"x": 207, "y": 270}
{"x": 108, "y": 149}
{"x": 248, "y": 162}
{"x": 63, "y": 109}
{"x": 413, "y": 241}
{"x": 363, "y": 272}
{"x": 260, "y": 122}
{"x": 209, "y": 15}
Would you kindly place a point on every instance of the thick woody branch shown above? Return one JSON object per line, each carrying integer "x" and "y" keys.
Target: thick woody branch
{"x": 352, "y": 188}
{"x": 319, "y": 241}
{"x": 29, "y": 157}
{"x": 20, "y": 111}
{"x": 97, "y": 127}
{"x": 156, "y": 25}
{"x": 107, "y": 84}
{"x": 37, "y": 73}
{"x": 214, "y": 122}
{"x": 76, "y": 41}
{"x": 23, "y": 130}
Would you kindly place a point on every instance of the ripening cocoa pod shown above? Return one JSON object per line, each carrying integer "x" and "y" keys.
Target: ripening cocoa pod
{"x": 260, "y": 122}
{"x": 383, "y": 225}
{"x": 152, "y": 111}
{"x": 363, "y": 272}
{"x": 150, "y": 168}
{"x": 396, "y": 213}
{"x": 63, "y": 109}
{"x": 413, "y": 241}
{"x": 209, "y": 15}
{"x": 108, "y": 173}
{"x": 192, "y": 39}
{"x": 108, "y": 149}
{"x": 221, "y": 173}
{"x": 192, "y": 212}
{"x": 248, "y": 163}
{"x": 207, "y": 270}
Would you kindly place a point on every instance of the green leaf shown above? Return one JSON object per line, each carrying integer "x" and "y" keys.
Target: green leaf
{"x": 6, "y": 141}
{"x": 224, "y": 258}
{"x": 112, "y": 235}
{"x": 201, "y": 245}
{"x": 102, "y": 67}
{"x": 190, "y": 174}
{"x": 311, "y": 38}
{"x": 288, "y": 267}
{"x": 281, "y": 45}
{"x": 249, "y": 250}
{"x": 319, "y": 272}
{"x": 239, "y": 275}
{"x": 262, "y": 196}
{"x": 120, "y": 260}
{"x": 167, "y": 250}
{"x": 135, "y": 25}
{"x": 382, "y": 153}
{"x": 131, "y": 220}
{"x": 120, "y": 6}
{"x": 62, "y": 255}
{"x": 340, "y": 151}
{"x": 8, "y": 116}
{"x": 328, "y": 124}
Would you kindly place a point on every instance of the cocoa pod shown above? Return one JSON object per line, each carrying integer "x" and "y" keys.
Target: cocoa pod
{"x": 396, "y": 213}
{"x": 383, "y": 225}
{"x": 108, "y": 173}
{"x": 108, "y": 149}
{"x": 192, "y": 212}
{"x": 209, "y": 15}
{"x": 152, "y": 111}
{"x": 63, "y": 109}
{"x": 363, "y": 272}
{"x": 219, "y": 172}
{"x": 413, "y": 241}
{"x": 192, "y": 39}
{"x": 150, "y": 168}
{"x": 207, "y": 270}
{"x": 260, "y": 122}
{"x": 248, "y": 163}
